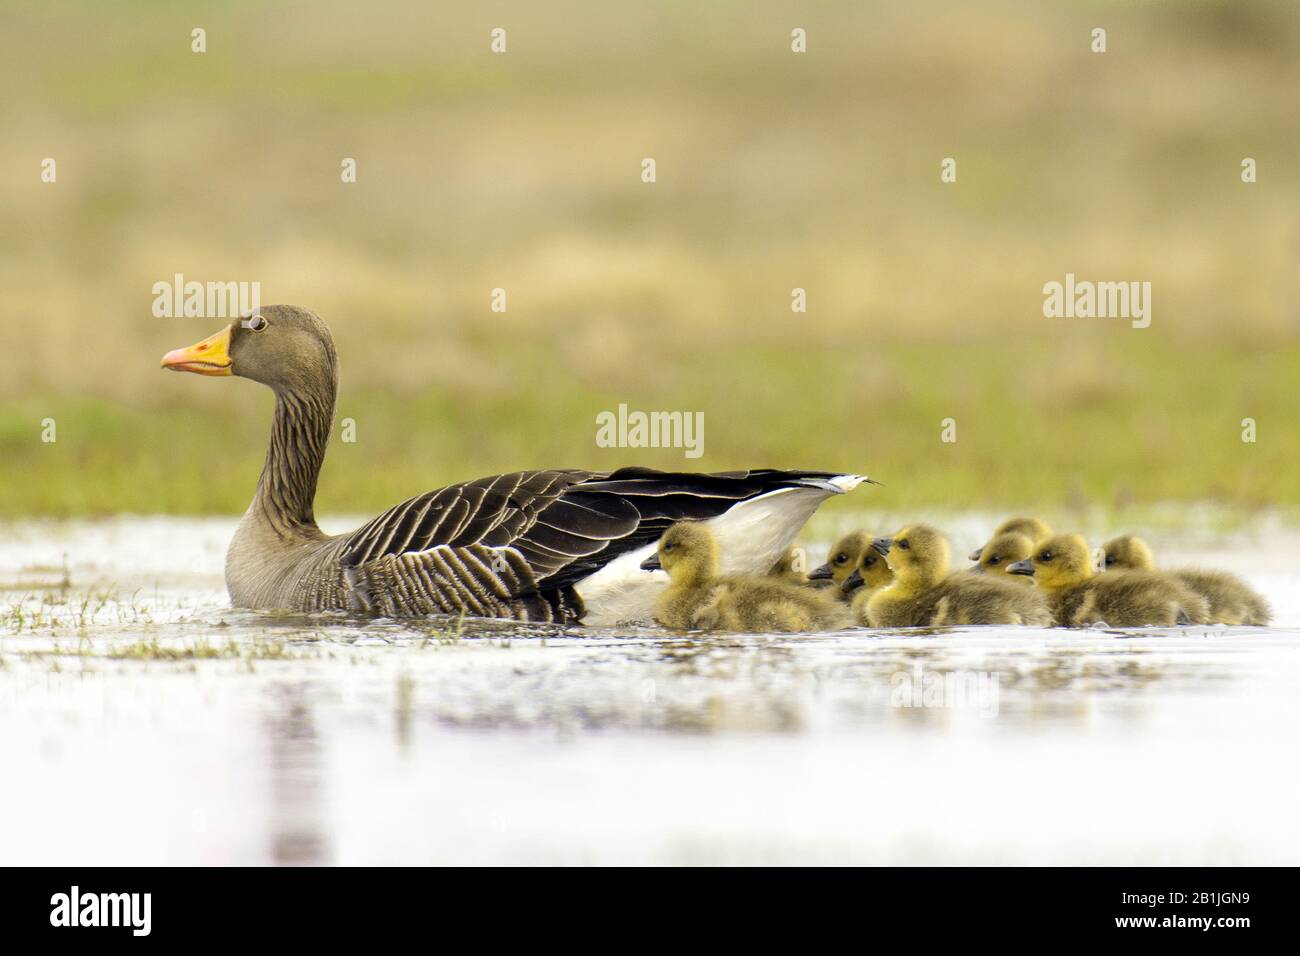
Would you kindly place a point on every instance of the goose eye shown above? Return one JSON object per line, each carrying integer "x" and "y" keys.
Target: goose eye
{"x": 1045, "y": 556}
{"x": 257, "y": 323}
{"x": 903, "y": 544}
{"x": 1110, "y": 559}
{"x": 668, "y": 546}
{"x": 994, "y": 560}
{"x": 841, "y": 558}
{"x": 868, "y": 562}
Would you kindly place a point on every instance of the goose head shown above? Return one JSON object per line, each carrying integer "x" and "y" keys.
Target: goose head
{"x": 1002, "y": 551}
{"x": 1035, "y": 529}
{"x": 687, "y": 551}
{"x": 871, "y": 572}
{"x": 918, "y": 555}
{"x": 1061, "y": 561}
{"x": 284, "y": 347}
{"x": 1128, "y": 552}
{"x": 843, "y": 558}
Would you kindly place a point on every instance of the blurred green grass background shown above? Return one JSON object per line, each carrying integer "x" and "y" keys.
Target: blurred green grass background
{"x": 775, "y": 170}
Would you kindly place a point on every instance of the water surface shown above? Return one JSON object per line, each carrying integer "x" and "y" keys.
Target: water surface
{"x": 143, "y": 721}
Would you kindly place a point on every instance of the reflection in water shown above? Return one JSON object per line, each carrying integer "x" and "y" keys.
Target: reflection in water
{"x": 402, "y": 710}
{"x": 297, "y": 834}
{"x": 495, "y": 742}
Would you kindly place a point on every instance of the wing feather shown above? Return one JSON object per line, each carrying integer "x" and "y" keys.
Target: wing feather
{"x": 514, "y": 544}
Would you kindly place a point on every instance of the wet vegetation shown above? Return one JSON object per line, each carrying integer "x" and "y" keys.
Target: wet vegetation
{"x": 775, "y": 171}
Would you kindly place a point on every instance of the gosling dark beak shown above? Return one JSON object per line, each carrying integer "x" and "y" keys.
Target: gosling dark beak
{"x": 882, "y": 546}
{"x": 820, "y": 574}
{"x": 652, "y": 563}
{"x": 1022, "y": 567}
{"x": 853, "y": 582}
{"x": 975, "y": 555}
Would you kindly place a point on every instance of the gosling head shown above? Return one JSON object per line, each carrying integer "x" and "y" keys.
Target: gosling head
{"x": 1002, "y": 551}
{"x": 282, "y": 346}
{"x": 1035, "y": 529}
{"x": 687, "y": 551}
{"x": 1128, "y": 552}
{"x": 918, "y": 555}
{"x": 843, "y": 558}
{"x": 872, "y": 572}
{"x": 1060, "y": 561}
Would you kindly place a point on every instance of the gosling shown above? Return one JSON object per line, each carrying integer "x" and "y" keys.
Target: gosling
{"x": 1062, "y": 568}
{"x": 924, "y": 593}
{"x": 1035, "y": 529}
{"x": 1001, "y": 552}
{"x": 842, "y": 561}
{"x": 871, "y": 573}
{"x": 1231, "y": 600}
{"x": 698, "y": 598}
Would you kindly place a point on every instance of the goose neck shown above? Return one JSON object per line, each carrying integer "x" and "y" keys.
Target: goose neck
{"x": 286, "y": 489}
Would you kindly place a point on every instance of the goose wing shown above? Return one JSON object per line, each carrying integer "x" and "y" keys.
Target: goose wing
{"x": 515, "y": 544}
{"x": 657, "y": 499}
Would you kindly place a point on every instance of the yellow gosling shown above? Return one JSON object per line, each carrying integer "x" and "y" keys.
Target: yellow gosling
{"x": 1001, "y": 552}
{"x": 1035, "y": 529}
{"x": 1062, "y": 567}
{"x": 871, "y": 573}
{"x": 924, "y": 593}
{"x": 697, "y": 597}
{"x": 841, "y": 561}
{"x": 1231, "y": 600}
{"x": 756, "y": 606}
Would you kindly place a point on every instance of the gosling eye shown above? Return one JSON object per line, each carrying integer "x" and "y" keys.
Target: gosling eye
{"x": 841, "y": 558}
{"x": 995, "y": 559}
{"x": 1046, "y": 556}
{"x": 257, "y": 323}
{"x": 868, "y": 562}
{"x": 1110, "y": 559}
{"x": 903, "y": 544}
{"x": 669, "y": 546}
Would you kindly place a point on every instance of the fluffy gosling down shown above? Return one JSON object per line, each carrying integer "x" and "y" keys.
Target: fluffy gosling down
{"x": 1062, "y": 568}
{"x": 1002, "y": 551}
{"x": 792, "y": 568}
{"x": 1035, "y": 529}
{"x": 872, "y": 573}
{"x": 922, "y": 591}
{"x": 697, "y": 597}
{"x": 1231, "y": 600}
{"x": 842, "y": 561}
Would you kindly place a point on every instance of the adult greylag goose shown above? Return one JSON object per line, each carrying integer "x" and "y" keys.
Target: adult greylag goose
{"x": 561, "y": 545}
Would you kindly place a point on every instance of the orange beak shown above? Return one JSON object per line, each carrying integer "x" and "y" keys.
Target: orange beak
{"x": 209, "y": 357}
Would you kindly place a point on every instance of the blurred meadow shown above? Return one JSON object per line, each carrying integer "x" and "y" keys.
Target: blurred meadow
{"x": 775, "y": 171}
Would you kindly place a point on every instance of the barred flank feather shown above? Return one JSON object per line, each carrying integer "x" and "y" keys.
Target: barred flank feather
{"x": 473, "y": 580}
{"x": 513, "y": 545}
